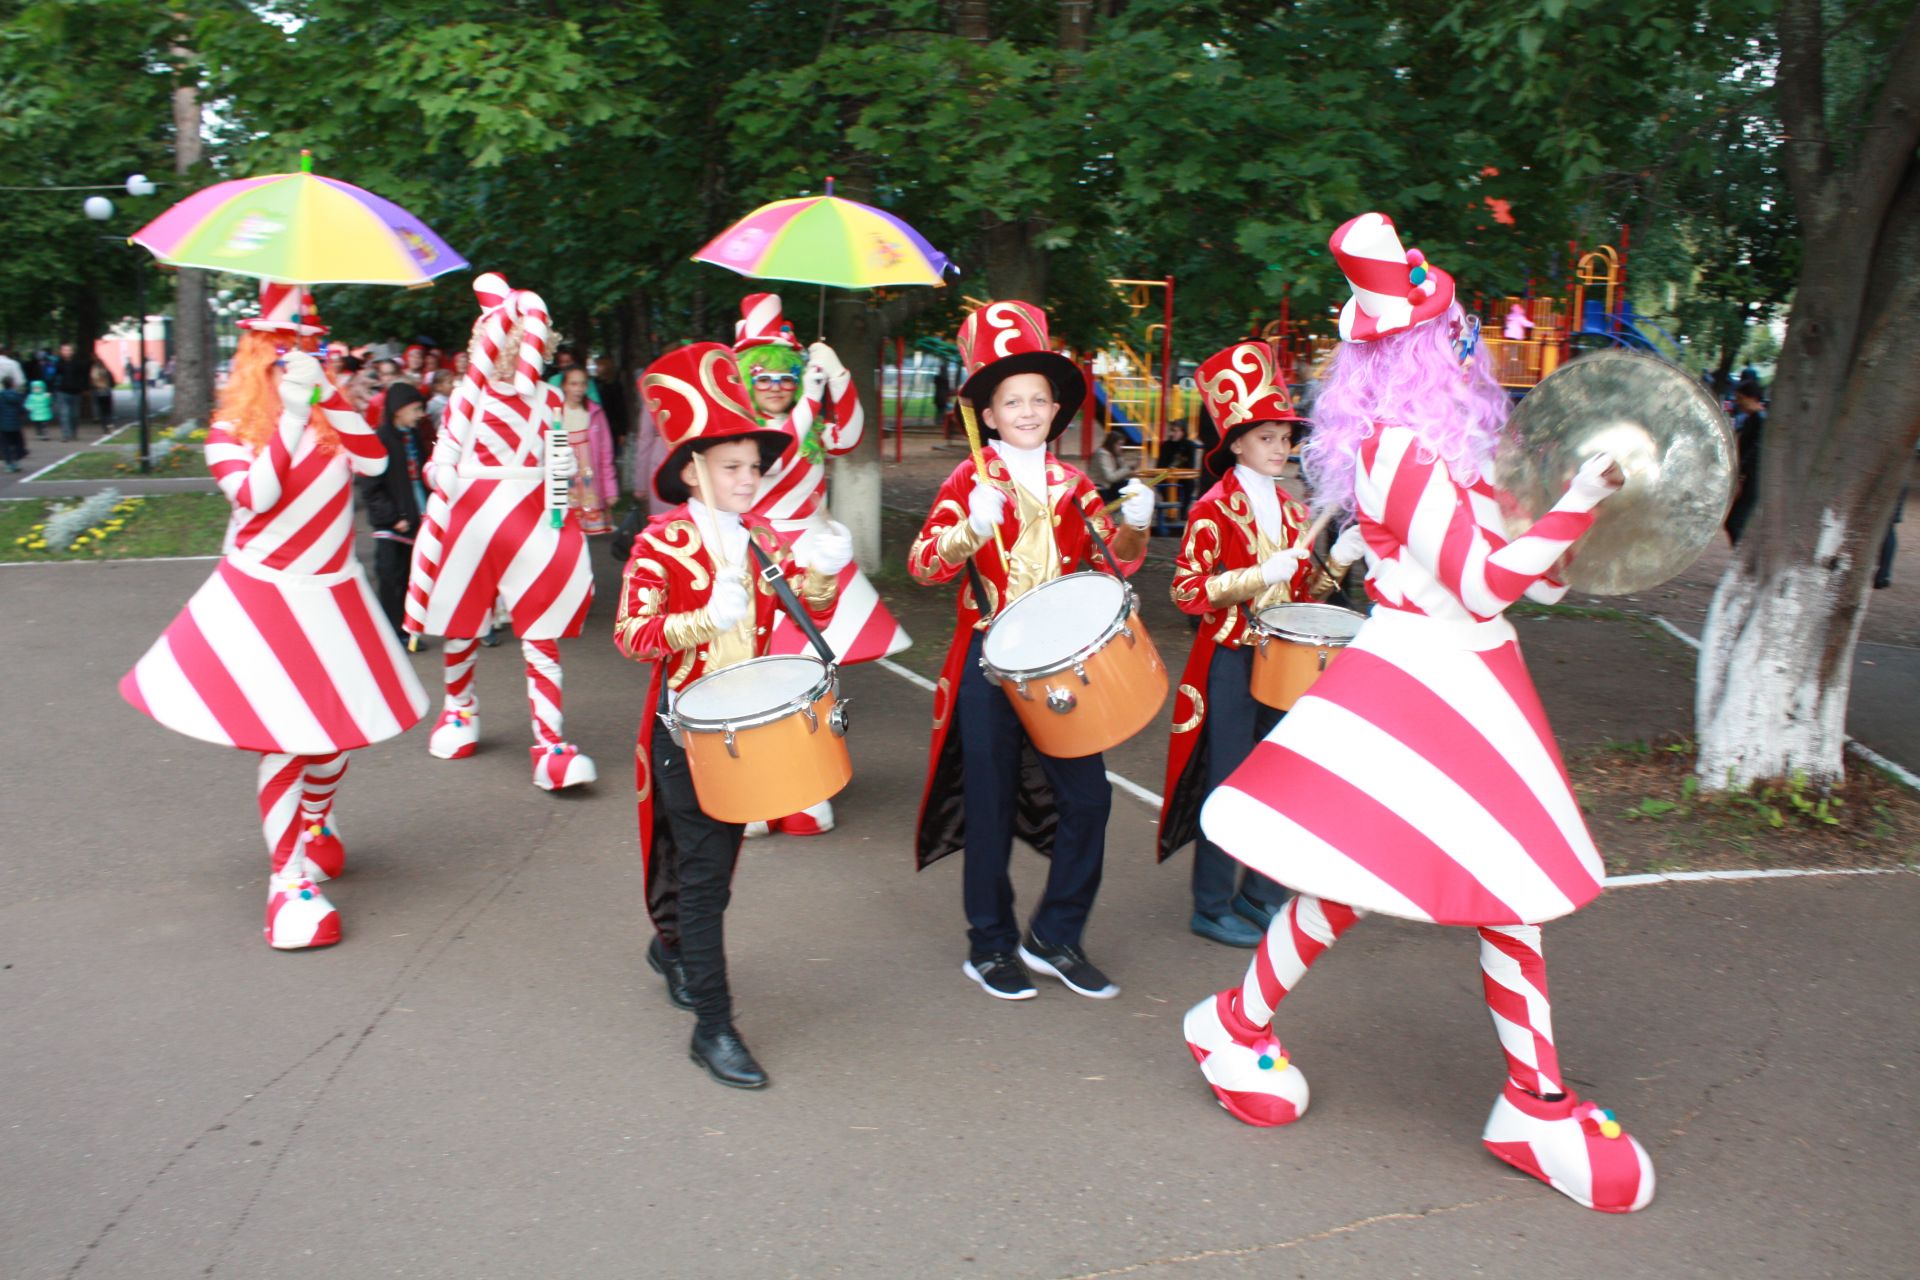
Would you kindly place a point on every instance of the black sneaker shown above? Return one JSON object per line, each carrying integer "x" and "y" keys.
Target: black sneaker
{"x": 1070, "y": 965}
{"x": 1001, "y": 975}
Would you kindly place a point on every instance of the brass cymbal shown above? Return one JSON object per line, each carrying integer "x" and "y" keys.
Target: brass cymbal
{"x": 1669, "y": 436}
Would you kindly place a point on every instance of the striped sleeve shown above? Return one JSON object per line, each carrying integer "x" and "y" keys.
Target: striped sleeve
{"x": 365, "y": 454}
{"x": 1411, "y": 496}
{"x": 845, "y": 422}
{"x": 252, "y": 481}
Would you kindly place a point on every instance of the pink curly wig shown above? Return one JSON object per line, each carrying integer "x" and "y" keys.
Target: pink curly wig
{"x": 1412, "y": 379}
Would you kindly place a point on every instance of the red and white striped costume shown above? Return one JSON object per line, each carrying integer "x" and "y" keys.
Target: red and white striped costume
{"x": 284, "y": 650}
{"x": 1419, "y": 776}
{"x": 793, "y": 492}
{"x": 487, "y": 535}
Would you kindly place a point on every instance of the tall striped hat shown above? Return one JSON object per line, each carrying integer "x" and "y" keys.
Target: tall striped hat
{"x": 501, "y": 307}
{"x": 286, "y": 308}
{"x": 761, "y": 324}
{"x": 1394, "y": 289}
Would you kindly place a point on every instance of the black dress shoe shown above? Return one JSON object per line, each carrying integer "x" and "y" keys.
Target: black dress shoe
{"x": 727, "y": 1059}
{"x": 670, "y": 968}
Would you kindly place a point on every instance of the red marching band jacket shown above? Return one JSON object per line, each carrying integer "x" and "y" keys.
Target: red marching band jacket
{"x": 662, "y": 619}
{"x": 940, "y": 829}
{"x": 1219, "y": 541}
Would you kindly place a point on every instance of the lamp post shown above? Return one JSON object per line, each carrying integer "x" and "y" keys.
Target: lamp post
{"x": 99, "y": 208}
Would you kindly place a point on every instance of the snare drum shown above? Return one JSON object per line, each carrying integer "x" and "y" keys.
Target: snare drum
{"x": 1077, "y": 663}
{"x": 1296, "y": 641}
{"x": 764, "y": 739}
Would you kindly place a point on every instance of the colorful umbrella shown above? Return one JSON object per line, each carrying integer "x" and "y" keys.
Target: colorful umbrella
{"x": 299, "y": 228}
{"x": 826, "y": 240}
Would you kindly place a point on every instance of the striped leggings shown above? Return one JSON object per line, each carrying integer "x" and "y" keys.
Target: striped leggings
{"x": 1513, "y": 973}
{"x": 296, "y": 792}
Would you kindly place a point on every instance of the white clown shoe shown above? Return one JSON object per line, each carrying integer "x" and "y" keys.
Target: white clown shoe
{"x": 814, "y": 820}
{"x": 1248, "y": 1069}
{"x": 298, "y": 914}
{"x": 1575, "y": 1147}
{"x": 561, "y": 765}
{"x": 455, "y": 734}
{"x": 754, "y": 830}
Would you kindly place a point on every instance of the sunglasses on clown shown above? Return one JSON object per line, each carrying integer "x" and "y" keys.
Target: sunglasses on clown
{"x": 774, "y": 380}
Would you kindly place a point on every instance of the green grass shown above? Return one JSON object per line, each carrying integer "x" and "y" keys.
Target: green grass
{"x": 173, "y": 524}
{"x": 117, "y": 462}
{"x": 1531, "y": 609}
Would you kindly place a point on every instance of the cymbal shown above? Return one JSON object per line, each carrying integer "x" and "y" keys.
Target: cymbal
{"x": 1669, "y": 436}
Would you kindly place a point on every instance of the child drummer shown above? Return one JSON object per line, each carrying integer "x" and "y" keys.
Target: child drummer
{"x": 1237, "y": 558}
{"x": 1010, "y": 531}
{"x": 692, "y": 602}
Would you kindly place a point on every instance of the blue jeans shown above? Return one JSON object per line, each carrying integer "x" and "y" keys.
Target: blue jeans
{"x": 66, "y": 411}
{"x": 990, "y": 745}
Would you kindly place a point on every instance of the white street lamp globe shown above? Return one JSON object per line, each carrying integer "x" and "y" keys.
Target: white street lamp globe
{"x": 99, "y": 208}
{"x": 138, "y": 185}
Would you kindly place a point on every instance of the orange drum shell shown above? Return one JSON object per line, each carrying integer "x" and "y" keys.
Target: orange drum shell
{"x": 1283, "y": 670}
{"x": 781, "y": 769}
{"x": 1126, "y": 684}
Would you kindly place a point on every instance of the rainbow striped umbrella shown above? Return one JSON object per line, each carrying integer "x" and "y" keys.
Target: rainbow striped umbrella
{"x": 299, "y": 228}
{"x": 827, "y": 240}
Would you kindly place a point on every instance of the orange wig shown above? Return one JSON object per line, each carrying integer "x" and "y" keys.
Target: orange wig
{"x": 250, "y": 401}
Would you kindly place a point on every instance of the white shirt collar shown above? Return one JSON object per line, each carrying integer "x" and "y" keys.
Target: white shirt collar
{"x": 1027, "y": 466}
{"x": 727, "y": 525}
{"x": 1263, "y": 492}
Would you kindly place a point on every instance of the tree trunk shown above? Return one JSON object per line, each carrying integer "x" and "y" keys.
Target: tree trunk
{"x": 193, "y": 322}
{"x": 1016, "y": 264}
{"x": 1776, "y": 656}
{"x": 853, "y": 329}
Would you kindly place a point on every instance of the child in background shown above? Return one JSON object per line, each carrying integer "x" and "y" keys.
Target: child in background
{"x": 39, "y": 407}
{"x": 13, "y": 410}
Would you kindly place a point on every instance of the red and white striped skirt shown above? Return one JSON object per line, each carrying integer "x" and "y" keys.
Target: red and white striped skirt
{"x": 1419, "y": 778}
{"x": 265, "y": 660}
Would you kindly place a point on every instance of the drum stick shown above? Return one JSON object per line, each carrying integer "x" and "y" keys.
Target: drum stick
{"x": 1312, "y": 532}
{"x": 1148, "y": 478}
{"x": 979, "y": 463}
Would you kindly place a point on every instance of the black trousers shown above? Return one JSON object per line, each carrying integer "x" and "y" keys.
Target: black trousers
{"x": 693, "y": 858}
{"x": 392, "y": 561}
{"x": 990, "y": 744}
{"x": 1235, "y": 723}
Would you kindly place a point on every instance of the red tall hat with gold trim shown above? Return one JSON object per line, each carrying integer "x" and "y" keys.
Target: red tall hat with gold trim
{"x": 698, "y": 401}
{"x": 1242, "y": 388}
{"x": 1005, "y": 338}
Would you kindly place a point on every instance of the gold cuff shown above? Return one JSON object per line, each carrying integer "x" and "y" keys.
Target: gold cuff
{"x": 1234, "y": 586}
{"x": 818, "y": 589}
{"x": 1324, "y": 582}
{"x": 685, "y": 630}
{"x": 957, "y": 544}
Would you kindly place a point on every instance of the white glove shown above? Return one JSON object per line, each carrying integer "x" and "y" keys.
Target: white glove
{"x": 826, "y": 359}
{"x": 1280, "y": 566}
{"x": 729, "y": 603}
{"x": 986, "y": 508}
{"x": 297, "y": 383}
{"x": 566, "y": 463}
{"x": 1350, "y": 547}
{"x": 1136, "y": 503}
{"x": 1592, "y": 484}
{"x": 832, "y": 549}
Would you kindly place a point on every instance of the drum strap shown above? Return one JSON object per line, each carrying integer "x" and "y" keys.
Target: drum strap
{"x": 1093, "y": 531}
{"x": 979, "y": 588}
{"x": 770, "y": 573}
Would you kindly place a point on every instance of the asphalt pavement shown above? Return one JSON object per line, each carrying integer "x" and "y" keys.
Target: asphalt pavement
{"x": 484, "y": 1079}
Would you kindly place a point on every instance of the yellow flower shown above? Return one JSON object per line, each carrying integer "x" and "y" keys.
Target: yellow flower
{"x": 20, "y": 541}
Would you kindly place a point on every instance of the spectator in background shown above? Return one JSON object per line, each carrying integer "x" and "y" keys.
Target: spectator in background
{"x": 1750, "y": 420}
{"x": 594, "y": 485}
{"x": 68, "y": 378}
{"x": 942, "y": 391}
{"x": 10, "y": 368}
{"x": 608, "y": 393}
{"x": 392, "y": 503}
{"x": 101, "y": 379}
{"x": 1177, "y": 451}
{"x": 356, "y": 382}
{"x": 386, "y": 373}
{"x": 1883, "y": 570}
{"x": 1517, "y": 324}
{"x": 429, "y": 369}
{"x": 13, "y": 416}
{"x": 413, "y": 363}
{"x": 1108, "y": 470}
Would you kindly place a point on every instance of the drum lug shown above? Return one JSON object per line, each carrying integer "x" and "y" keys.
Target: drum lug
{"x": 837, "y": 719}
{"x": 1020, "y": 687}
{"x": 1080, "y": 669}
{"x": 813, "y": 720}
{"x": 731, "y": 749}
{"x": 672, "y": 722}
{"x": 1127, "y": 631}
{"x": 1323, "y": 658}
{"x": 1061, "y": 700}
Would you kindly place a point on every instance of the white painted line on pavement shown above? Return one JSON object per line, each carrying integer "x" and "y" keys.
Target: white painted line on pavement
{"x": 1674, "y": 631}
{"x": 1854, "y": 745}
{"x": 1127, "y": 785}
{"x": 41, "y": 564}
{"x": 42, "y": 471}
{"x": 1770, "y": 873}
